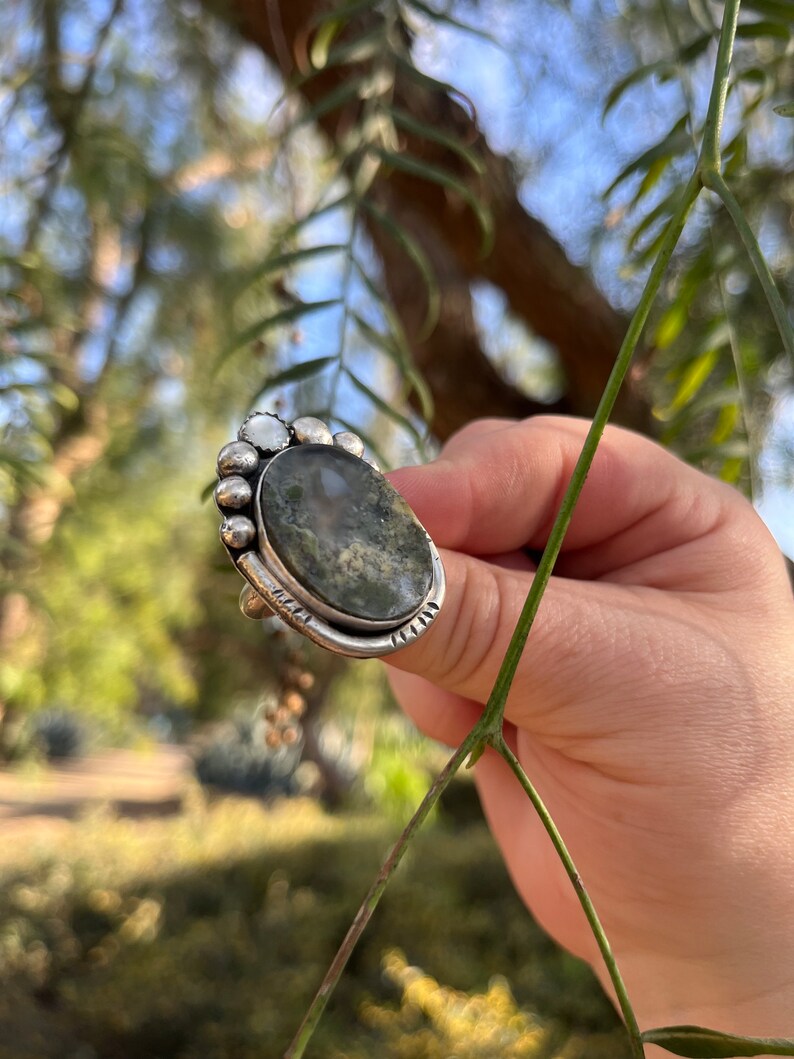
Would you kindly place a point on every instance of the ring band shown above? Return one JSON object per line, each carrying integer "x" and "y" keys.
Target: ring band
{"x": 323, "y": 540}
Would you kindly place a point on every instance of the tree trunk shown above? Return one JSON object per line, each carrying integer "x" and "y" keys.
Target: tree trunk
{"x": 557, "y": 300}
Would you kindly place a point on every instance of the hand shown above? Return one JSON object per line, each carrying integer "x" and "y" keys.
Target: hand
{"x": 653, "y": 707}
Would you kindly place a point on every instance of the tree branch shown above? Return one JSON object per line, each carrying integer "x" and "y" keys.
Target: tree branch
{"x": 555, "y": 298}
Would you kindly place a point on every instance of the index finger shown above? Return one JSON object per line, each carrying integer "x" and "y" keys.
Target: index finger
{"x": 497, "y": 490}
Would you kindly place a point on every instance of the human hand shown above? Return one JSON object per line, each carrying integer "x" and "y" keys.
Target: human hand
{"x": 653, "y": 708}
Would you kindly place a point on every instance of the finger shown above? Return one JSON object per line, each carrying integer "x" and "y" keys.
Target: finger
{"x": 441, "y": 715}
{"x": 585, "y": 683}
{"x": 498, "y": 488}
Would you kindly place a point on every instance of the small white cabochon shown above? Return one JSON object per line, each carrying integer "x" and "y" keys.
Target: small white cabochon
{"x": 266, "y": 432}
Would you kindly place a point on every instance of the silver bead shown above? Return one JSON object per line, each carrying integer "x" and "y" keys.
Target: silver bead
{"x": 350, "y": 442}
{"x": 234, "y": 492}
{"x": 373, "y": 464}
{"x": 265, "y": 431}
{"x": 237, "y": 531}
{"x": 252, "y": 604}
{"x": 311, "y": 431}
{"x": 238, "y": 457}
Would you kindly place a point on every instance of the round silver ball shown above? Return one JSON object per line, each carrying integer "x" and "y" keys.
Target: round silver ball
{"x": 350, "y": 442}
{"x": 373, "y": 464}
{"x": 237, "y": 531}
{"x": 252, "y": 604}
{"x": 238, "y": 457}
{"x": 265, "y": 431}
{"x": 234, "y": 492}
{"x": 311, "y": 431}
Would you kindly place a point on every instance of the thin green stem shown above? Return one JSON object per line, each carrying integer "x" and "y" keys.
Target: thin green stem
{"x": 370, "y": 902}
{"x": 712, "y": 130}
{"x": 715, "y": 182}
{"x": 584, "y": 898}
{"x": 496, "y": 703}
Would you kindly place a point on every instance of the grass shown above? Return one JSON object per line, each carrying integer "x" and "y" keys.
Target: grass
{"x": 205, "y": 934}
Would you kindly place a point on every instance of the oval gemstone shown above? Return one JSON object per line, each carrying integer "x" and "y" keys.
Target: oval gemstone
{"x": 345, "y": 533}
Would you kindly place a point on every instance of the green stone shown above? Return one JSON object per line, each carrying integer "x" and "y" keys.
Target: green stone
{"x": 345, "y": 533}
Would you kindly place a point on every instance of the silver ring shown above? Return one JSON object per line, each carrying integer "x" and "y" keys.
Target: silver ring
{"x": 323, "y": 540}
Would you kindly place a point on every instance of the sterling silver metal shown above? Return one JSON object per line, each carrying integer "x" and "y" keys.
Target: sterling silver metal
{"x": 270, "y": 588}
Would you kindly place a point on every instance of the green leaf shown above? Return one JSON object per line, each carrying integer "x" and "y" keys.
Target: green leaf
{"x": 456, "y": 23}
{"x": 282, "y": 262}
{"x": 376, "y": 338}
{"x": 726, "y": 423}
{"x": 661, "y": 209}
{"x": 671, "y": 325}
{"x": 764, "y": 28}
{"x": 64, "y": 396}
{"x": 654, "y": 174}
{"x": 359, "y": 50}
{"x": 25, "y": 470}
{"x": 707, "y": 402}
{"x": 698, "y": 1043}
{"x": 731, "y": 469}
{"x": 317, "y": 212}
{"x": 407, "y": 121}
{"x": 754, "y": 74}
{"x": 322, "y": 40}
{"x": 785, "y": 110}
{"x": 297, "y": 373}
{"x": 420, "y": 260}
{"x": 432, "y": 84}
{"x": 394, "y": 346}
{"x": 735, "y": 154}
{"x": 423, "y": 393}
{"x": 782, "y": 10}
{"x": 477, "y": 752}
{"x": 689, "y": 52}
{"x": 694, "y": 378}
{"x": 354, "y": 88}
{"x": 385, "y": 408}
{"x": 284, "y": 316}
{"x": 436, "y": 175}
{"x": 700, "y": 12}
{"x": 400, "y": 345}
{"x": 676, "y": 142}
{"x": 635, "y": 77}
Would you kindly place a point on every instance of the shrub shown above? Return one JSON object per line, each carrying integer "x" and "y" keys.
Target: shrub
{"x": 204, "y": 935}
{"x": 59, "y": 735}
{"x": 245, "y": 758}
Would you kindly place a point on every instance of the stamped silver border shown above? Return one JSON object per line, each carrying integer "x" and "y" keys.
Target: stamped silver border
{"x": 322, "y": 632}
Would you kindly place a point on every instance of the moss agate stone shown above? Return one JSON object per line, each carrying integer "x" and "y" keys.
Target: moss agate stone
{"x": 345, "y": 534}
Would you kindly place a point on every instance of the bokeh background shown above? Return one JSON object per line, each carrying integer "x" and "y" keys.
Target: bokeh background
{"x": 399, "y": 216}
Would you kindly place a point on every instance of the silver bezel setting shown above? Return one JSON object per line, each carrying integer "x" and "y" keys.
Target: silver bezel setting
{"x": 282, "y": 594}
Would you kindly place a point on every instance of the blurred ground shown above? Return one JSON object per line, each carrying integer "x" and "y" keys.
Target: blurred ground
{"x": 141, "y": 918}
{"x": 37, "y": 801}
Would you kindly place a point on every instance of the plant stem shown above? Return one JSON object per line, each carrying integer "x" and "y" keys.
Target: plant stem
{"x": 715, "y": 182}
{"x": 709, "y": 158}
{"x": 370, "y": 902}
{"x": 712, "y": 130}
{"x": 584, "y": 898}
{"x": 495, "y": 707}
